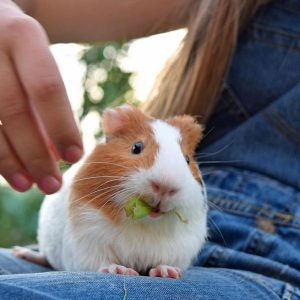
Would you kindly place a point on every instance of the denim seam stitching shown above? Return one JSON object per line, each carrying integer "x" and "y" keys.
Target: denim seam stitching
{"x": 247, "y": 278}
{"x": 288, "y": 217}
{"x": 246, "y": 205}
{"x": 257, "y": 207}
{"x": 263, "y": 282}
{"x": 258, "y": 26}
{"x": 242, "y": 213}
{"x": 269, "y": 43}
{"x": 288, "y": 292}
{"x": 283, "y": 126}
{"x": 255, "y": 242}
{"x": 237, "y": 101}
{"x": 216, "y": 254}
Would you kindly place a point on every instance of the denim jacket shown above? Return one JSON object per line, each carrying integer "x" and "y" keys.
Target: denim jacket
{"x": 251, "y": 154}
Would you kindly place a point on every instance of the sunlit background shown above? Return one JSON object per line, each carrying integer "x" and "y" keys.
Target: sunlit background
{"x": 95, "y": 76}
{"x": 145, "y": 58}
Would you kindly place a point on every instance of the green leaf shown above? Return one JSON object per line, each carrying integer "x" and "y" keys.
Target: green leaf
{"x": 137, "y": 208}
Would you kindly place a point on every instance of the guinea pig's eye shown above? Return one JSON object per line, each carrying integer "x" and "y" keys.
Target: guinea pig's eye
{"x": 187, "y": 159}
{"x": 137, "y": 147}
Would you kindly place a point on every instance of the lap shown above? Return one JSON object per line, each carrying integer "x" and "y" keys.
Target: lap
{"x": 9, "y": 264}
{"x": 253, "y": 224}
{"x": 197, "y": 283}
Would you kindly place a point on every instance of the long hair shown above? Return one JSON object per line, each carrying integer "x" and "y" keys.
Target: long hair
{"x": 193, "y": 78}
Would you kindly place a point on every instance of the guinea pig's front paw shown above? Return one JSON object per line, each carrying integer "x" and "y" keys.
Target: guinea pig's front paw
{"x": 166, "y": 272}
{"x": 117, "y": 269}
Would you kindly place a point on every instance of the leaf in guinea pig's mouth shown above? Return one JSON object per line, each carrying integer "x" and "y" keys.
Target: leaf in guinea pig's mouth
{"x": 138, "y": 209}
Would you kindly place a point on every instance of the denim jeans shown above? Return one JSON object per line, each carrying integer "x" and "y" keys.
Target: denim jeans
{"x": 250, "y": 159}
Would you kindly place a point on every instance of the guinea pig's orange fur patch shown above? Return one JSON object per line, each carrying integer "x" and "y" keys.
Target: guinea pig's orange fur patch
{"x": 110, "y": 163}
{"x": 191, "y": 133}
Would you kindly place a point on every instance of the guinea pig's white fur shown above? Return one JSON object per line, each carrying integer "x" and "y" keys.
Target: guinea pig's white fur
{"x": 92, "y": 241}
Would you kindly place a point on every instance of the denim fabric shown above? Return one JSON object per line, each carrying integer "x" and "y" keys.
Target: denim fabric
{"x": 250, "y": 159}
{"x": 254, "y": 225}
{"x": 198, "y": 283}
{"x": 251, "y": 154}
{"x": 257, "y": 120}
{"x": 9, "y": 264}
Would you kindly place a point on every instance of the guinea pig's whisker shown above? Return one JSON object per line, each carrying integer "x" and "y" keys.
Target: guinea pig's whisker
{"x": 103, "y": 205}
{"x": 106, "y": 182}
{"x": 213, "y": 206}
{"x": 113, "y": 189}
{"x": 213, "y": 153}
{"x": 99, "y": 176}
{"x": 100, "y": 195}
{"x": 125, "y": 192}
{"x": 106, "y": 189}
{"x": 210, "y": 172}
{"x": 218, "y": 162}
{"x": 108, "y": 163}
{"x": 210, "y": 188}
{"x": 218, "y": 229}
{"x": 108, "y": 200}
{"x": 97, "y": 189}
{"x": 117, "y": 190}
{"x": 208, "y": 133}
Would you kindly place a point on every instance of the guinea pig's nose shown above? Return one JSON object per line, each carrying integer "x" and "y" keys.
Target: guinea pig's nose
{"x": 163, "y": 189}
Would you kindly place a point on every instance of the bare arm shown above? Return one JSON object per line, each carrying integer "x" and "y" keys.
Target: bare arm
{"x": 104, "y": 20}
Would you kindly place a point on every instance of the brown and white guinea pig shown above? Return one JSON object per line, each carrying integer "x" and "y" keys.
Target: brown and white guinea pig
{"x": 84, "y": 227}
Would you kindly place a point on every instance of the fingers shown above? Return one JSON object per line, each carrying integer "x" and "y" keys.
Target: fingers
{"x": 25, "y": 138}
{"x": 10, "y": 167}
{"x": 34, "y": 108}
{"x": 43, "y": 84}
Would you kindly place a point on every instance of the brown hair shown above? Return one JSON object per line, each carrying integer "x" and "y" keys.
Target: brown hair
{"x": 192, "y": 79}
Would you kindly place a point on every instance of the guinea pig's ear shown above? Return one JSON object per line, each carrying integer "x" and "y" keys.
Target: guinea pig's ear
{"x": 190, "y": 130}
{"x": 114, "y": 119}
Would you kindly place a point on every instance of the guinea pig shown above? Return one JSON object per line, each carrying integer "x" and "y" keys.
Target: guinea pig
{"x": 84, "y": 226}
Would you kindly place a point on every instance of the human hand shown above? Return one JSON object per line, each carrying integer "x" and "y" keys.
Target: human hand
{"x": 37, "y": 127}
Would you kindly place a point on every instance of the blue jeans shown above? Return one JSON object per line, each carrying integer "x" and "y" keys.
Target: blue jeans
{"x": 251, "y": 164}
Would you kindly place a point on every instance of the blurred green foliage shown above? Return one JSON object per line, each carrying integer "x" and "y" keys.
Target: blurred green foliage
{"x": 18, "y": 216}
{"x": 105, "y": 84}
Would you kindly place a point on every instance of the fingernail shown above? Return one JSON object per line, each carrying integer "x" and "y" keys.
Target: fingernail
{"x": 49, "y": 184}
{"x": 72, "y": 154}
{"x": 20, "y": 182}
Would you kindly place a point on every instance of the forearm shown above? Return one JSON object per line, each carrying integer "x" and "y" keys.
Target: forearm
{"x": 104, "y": 20}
